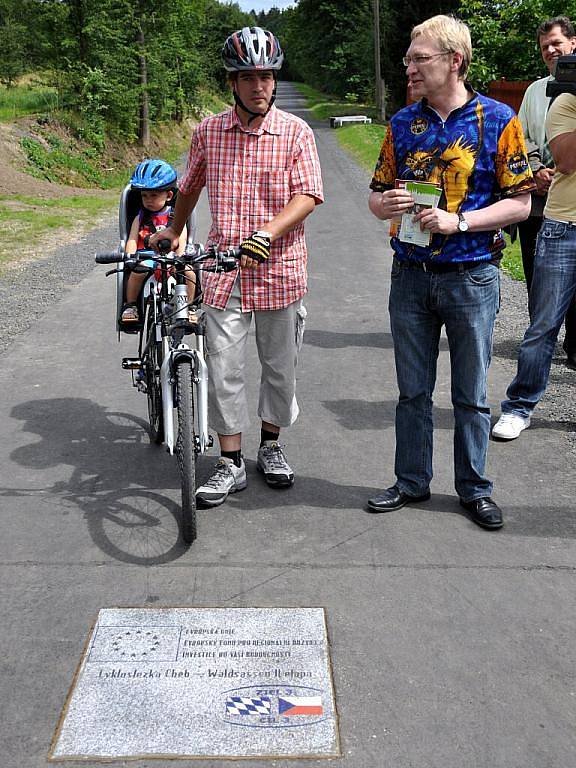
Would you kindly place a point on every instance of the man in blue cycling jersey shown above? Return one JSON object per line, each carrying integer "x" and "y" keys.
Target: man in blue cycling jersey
{"x": 472, "y": 149}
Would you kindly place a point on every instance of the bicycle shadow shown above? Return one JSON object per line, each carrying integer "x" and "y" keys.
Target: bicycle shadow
{"x": 115, "y": 476}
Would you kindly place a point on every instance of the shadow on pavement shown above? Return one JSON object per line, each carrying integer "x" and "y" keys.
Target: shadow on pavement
{"x": 520, "y": 520}
{"x": 336, "y": 340}
{"x": 340, "y": 340}
{"x": 114, "y": 481}
{"x": 506, "y": 349}
{"x": 306, "y": 492}
{"x": 129, "y": 490}
{"x": 363, "y": 414}
{"x": 541, "y": 521}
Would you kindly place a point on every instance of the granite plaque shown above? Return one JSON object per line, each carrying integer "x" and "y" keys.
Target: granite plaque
{"x": 201, "y": 682}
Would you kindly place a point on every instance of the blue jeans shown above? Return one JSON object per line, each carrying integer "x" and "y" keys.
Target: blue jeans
{"x": 466, "y": 303}
{"x": 552, "y": 291}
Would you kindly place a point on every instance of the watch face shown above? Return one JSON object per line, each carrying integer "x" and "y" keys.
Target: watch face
{"x": 463, "y": 225}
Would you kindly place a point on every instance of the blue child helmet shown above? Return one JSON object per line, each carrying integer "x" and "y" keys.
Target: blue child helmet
{"x": 153, "y": 174}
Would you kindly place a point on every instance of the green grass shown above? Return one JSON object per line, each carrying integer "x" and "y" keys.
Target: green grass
{"x": 512, "y": 260}
{"x": 324, "y": 106}
{"x": 63, "y": 161}
{"x": 27, "y": 99}
{"x": 363, "y": 142}
{"x": 28, "y": 220}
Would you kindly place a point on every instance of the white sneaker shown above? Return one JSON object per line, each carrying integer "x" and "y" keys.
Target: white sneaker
{"x": 509, "y": 426}
{"x": 226, "y": 478}
{"x": 272, "y": 463}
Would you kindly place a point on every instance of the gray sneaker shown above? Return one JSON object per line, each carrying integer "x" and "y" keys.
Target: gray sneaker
{"x": 272, "y": 463}
{"x": 226, "y": 478}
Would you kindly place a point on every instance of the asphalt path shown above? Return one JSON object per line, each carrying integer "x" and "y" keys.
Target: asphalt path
{"x": 450, "y": 646}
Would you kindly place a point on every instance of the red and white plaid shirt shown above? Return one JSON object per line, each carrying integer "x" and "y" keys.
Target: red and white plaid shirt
{"x": 250, "y": 176}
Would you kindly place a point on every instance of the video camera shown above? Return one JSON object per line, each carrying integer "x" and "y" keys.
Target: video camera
{"x": 564, "y": 77}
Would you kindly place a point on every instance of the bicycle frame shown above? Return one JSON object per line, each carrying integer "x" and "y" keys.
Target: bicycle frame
{"x": 200, "y": 370}
{"x": 171, "y": 356}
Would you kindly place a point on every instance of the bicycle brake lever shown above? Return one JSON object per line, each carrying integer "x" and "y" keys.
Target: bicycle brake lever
{"x": 228, "y": 264}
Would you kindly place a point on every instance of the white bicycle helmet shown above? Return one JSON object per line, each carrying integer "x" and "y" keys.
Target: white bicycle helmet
{"x": 252, "y": 48}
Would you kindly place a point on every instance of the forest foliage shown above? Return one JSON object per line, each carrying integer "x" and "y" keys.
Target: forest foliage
{"x": 330, "y": 43}
{"x": 120, "y": 64}
{"x": 115, "y": 62}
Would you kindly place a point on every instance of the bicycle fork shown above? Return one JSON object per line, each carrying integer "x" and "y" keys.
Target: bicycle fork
{"x": 200, "y": 376}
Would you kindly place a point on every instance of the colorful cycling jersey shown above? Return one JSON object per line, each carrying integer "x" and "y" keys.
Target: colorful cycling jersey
{"x": 151, "y": 222}
{"x": 477, "y": 156}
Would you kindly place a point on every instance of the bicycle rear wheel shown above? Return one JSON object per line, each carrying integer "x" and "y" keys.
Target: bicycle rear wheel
{"x": 186, "y": 448}
{"x": 152, "y": 364}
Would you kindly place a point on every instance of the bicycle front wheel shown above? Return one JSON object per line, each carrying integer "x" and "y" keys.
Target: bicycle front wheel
{"x": 186, "y": 448}
{"x": 152, "y": 365}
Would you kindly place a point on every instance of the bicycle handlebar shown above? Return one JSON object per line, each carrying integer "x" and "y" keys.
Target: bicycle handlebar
{"x": 108, "y": 258}
{"x": 195, "y": 254}
{"x": 164, "y": 246}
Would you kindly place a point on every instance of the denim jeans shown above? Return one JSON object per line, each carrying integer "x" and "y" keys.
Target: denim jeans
{"x": 528, "y": 231}
{"x": 466, "y": 303}
{"x": 552, "y": 291}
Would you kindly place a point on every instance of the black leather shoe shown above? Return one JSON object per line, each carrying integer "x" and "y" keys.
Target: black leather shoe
{"x": 392, "y": 499}
{"x": 484, "y": 512}
{"x": 571, "y": 360}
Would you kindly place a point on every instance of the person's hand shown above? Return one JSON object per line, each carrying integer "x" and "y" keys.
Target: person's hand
{"x": 392, "y": 203}
{"x": 164, "y": 234}
{"x": 254, "y": 250}
{"x": 543, "y": 179}
{"x": 438, "y": 221}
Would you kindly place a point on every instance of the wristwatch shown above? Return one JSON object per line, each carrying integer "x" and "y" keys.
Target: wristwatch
{"x": 463, "y": 225}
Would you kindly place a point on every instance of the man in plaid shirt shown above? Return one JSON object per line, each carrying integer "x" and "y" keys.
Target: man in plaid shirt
{"x": 262, "y": 175}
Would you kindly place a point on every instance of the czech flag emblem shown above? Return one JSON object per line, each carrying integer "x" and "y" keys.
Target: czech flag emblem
{"x": 300, "y": 705}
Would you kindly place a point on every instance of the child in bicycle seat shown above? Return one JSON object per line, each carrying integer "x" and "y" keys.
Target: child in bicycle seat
{"x": 156, "y": 181}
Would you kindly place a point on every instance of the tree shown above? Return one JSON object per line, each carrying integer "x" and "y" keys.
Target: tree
{"x": 12, "y": 61}
{"x": 398, "y": 17}
{"x": 329, "y": 45}
{"x": 503, "y": 37}
{"x": 120, "y": 63}
{"x": 278, "y": 22}
{"x": 220, "y": 21}
{"x": 15, "y": 38}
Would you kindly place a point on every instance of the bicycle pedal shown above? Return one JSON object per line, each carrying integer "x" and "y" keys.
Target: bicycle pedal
{"x": 131, "y": 363}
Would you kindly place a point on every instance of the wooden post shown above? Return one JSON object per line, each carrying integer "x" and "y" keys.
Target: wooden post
{"x": 380, "y": 87}
{"x": 144, "y": 127}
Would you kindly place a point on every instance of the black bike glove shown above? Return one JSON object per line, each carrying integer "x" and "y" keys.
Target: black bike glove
{"x": 257, "y": 246}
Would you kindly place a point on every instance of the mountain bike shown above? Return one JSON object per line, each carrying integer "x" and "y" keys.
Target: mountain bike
{"x": 169, "y": 370}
